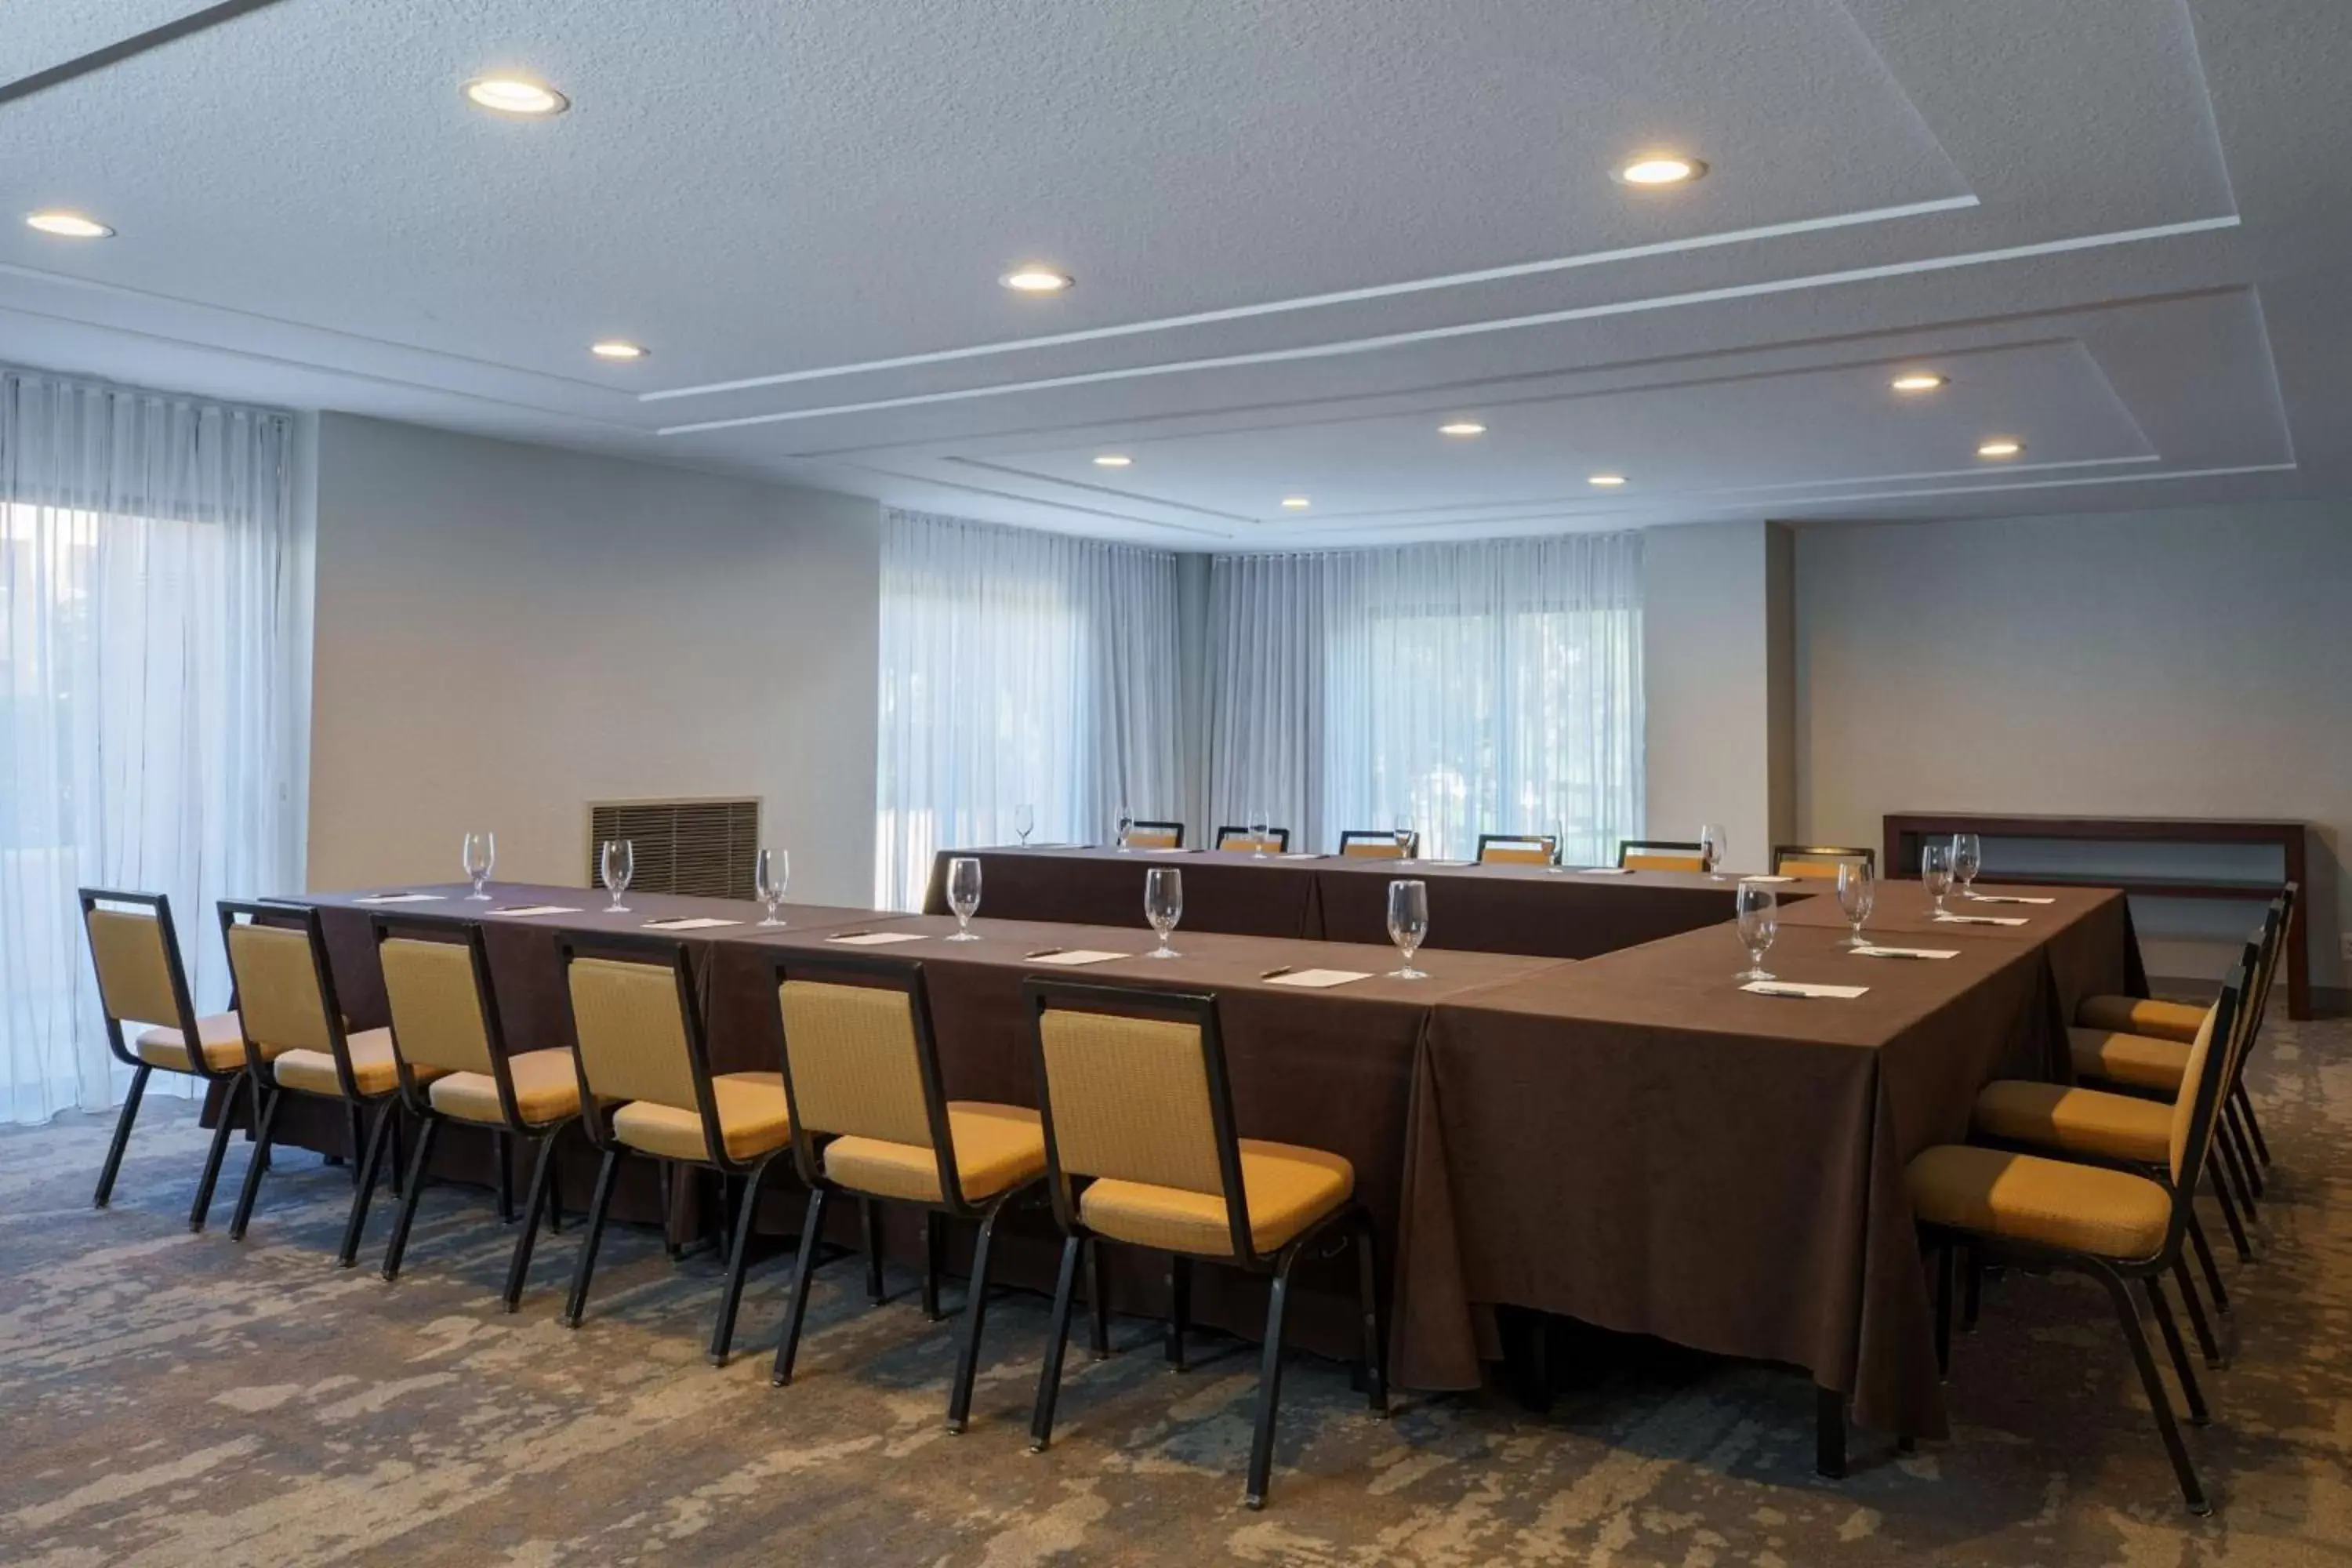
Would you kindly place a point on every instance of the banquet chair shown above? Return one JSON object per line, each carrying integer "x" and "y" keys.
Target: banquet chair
{"x": 1817, "y": 860}
{"x": 1155, "y": 835}
{"x": 870, "y": 1117}
{"x": 1518, "y": 849}
{"x": 135, "y": 950}
{"x": 1660, "y": 854}
{"x": 1371, "y": 843}
{"x": 1277, "y": 839}
{"x": 1141, "y": 1149}
{"x": 297, "y": 1041}
{"x": 646, "y": 1088}
{"x": 2035, "y": 1213}
{"x": 450, "y": 1050}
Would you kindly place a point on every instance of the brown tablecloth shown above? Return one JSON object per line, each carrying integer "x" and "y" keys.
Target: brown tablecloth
{"x": 1637, "y": 1143}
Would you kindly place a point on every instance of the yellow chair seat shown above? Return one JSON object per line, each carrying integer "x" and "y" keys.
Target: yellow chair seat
{"x": 2075, "y": 1120}
{"x": 374, "y": 1071}
{"x": 546, "y": 1088}
{"x": 2139, "y": 1015}
{"x": 219, "y": 1035}
{"x": 997, "y": 1148}
{"x": 2138, "y": 1061}
{"x": 1663, "y": 863}
{"x": 753, "y": 1119}
{"x": 2024, "y": 1197}
{"x": 1288, "y": 1188}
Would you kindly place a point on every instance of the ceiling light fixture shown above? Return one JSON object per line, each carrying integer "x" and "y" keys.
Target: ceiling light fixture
{"x": 1606, "y": 481}
{"x": 1917, "y": 381}
{"x": 618, "y": 348}
{"x": 2002, "y": 447}
{"x": 1462, "y": 427}
{"x": 516, "y": 95}
{"x": 68, "y": 225}
{"x": 1659, "y": 169}
{"x": 1031, "y": 279}
{"x": 1296, "y": 504}
{"x": 1113, "y": 461}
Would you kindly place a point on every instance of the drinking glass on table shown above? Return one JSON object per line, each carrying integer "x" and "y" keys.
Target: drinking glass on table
{"x": 1126, "y": 828}
{"x": 1857, "y": 892}
{"x": 481, "y": 852}
{"x": 1163, "y": 904}
{"x": 1260, "y": 830}
{"x": 1759, "y": 908}
{"x": 620, "y": 862}
{"x": 1404, "y": 831}
{"x": 1024, "y": 822}
{"x": 1714, "y": 843}
{"x": 1935, "y": 871}
{"x": 1408, "y": 923}
{"x": 1968, "y": 856}
{"x": 963, "y": 894}
{"x": 770, "y": 874}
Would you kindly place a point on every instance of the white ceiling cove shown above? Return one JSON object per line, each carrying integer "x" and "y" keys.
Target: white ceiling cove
{"x": 1306, "y": 233}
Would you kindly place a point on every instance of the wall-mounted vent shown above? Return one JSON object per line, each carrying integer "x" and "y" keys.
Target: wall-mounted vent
{"x": 706, "y": 848}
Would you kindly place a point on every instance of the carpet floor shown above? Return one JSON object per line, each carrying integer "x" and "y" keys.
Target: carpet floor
{"x": 168, "y": 1399}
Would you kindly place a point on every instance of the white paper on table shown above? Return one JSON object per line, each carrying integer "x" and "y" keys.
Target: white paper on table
{"x": 536, "y": 909}
{"x": 1445, "y": 862}
{"x": 1950, "y": 919}
{"x": 1801, "y": 988}
{"x": 1768, "y": 878}
{"x": 1906, "y": 952}
{"x": 690, "y": 922}
{"x": 1302, "y": 855}
{"x": 875, "y": 938}
{"x": 1606, "y": 871}
{"x": 1078, "y": 955}
{"x": 1319, "y": 979}
{"x": 401, "y": 898}
{"x": 1168, "y": 849}
{"x": 2006, "y": 898}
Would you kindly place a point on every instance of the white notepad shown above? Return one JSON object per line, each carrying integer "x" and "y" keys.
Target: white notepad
{"x": 1301, "y": 855}
{"x": 1950, "y": 919}
{"x": 401, "y": 898}
{"x": 2006, "y": 898}
{"x": 1906, "y": 952}
{"x": 1801, "y": 988}
{"x": 1606, "y": 871}
{"x": 690, "y": 922}
{"x": 1168, "y": 849}
{"x": 1319, "y": 979}
{"x": 537, "y": 909}
{"x": 1074, "y": 955}
{"x": 875, "y": 938}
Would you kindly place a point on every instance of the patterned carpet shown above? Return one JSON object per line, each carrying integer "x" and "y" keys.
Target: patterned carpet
{"x": 172, "y": 1399}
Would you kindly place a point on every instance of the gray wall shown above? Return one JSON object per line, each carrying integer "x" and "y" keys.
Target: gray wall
{"x": 507, "y": 632}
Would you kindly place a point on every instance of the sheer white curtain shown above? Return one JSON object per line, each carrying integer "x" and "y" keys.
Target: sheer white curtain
{"x": 1485, "y": 688}
{"x": 1017, "y": 669}
{"x": 154, "y": 638}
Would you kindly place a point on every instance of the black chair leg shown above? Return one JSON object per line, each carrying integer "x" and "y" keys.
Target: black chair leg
{"x": 356, "y": 1225}
{"x": 2195, "y": 1310}
{"x": 2191, "y": 1395}
{"x": 399, "y": 1161}
{"x": 502, "y": 1155}
{"x": 975, "y": 1313}
{"x": 131, "y": 1100}
{"x": 598, "y": 1200}
{"x": 2248, "y": 1166}
{"x": 2225, "y": 1161}
{"x": 258, "y": 1163}
{"x": 554, "y": 1184}
{"x": 934, "y": 1227}
{"x": 1180, "y": 1307}
{"x": 2159, "y": 1401}
{"x": 200, "y": 1211}
{"x": 1376, "y": 1328}
{"x": 542, "y": 1194}
{"x": 722, "y": 1333}
{"x": 1058, "y": 1338}
{"x": 1269, "y": 1384}
{"x": 1944, "y": 1309}
{"x": 1971, "y": 1286}
{"x": 2229, "y": 1214}
{"x": 2205, "y": 1262}
{"x": 354, "y": 1136}
{"x": 870, "y": 1224}
{"x": 414, "y": 1194}
{"x": 788, "y": 1338}
{"x": 2254, "y": 1123}
{"x": 1098, "y": 1302}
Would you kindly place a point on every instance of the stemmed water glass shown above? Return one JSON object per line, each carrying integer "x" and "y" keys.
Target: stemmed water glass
{"x": 1714, "y": 843}
{"x": 1404, "y": 831}
{"x": 963, "y": 895}
{"x": 1935, "y": 871}
{"x": 1759, "y": 921}
{"x": 1024, "y": 822}
{"x": 1260, "y": 830}
{"x": 1968, "y": 856}
{"x": 620, "y": 862}
{"x": 1857, "y": 891}
{"x": 1163, "y": 904}
{"x": 1126, "y": 828}
{"x": 1408, "y": 923}
{"x": 481, "y": 852}
{"x": 770, "y": 874}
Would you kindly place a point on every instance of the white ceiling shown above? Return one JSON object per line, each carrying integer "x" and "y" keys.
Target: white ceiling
{"x": 1306, "y": 233}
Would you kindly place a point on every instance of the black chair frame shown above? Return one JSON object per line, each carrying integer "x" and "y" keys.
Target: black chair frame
{"x": 1551, "y": 842}
{"x": 1627, "y": 846}
{"x": 1374, "y": 835}
{"x": 1140, "y": 825}
{"x": 1280, "y": 836}
{"x": 1781, "y": 852}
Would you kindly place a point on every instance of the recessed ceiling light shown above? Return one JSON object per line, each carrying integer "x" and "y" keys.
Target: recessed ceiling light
{"x": 1035, "y": 280}
{"x": 1917, "y": 381}
{"x": 516, "y": 95}
{"x": 71, "y": 226}
{"x": 1113, "y": 461}
{"x": 1296, "y": 504}
{"x": 1606, "y": 481}
{"x": 1659, "y": 169}
{"x": 2002, "y": 447}
{"x": 618, "y": 348}
{"x": 1462, "y": 427}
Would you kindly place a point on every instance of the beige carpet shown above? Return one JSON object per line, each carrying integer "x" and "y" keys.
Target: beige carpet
{"x": 172, "y": 1399}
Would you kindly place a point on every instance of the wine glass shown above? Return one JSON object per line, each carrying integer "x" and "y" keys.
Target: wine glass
{"x": 770, "y": 874}
{"x": 963, "y": 894}
{"x": 1024, "y": 822}
{"x": 1558, "y": 863}
{"x": 1163, "y": 904}
{"x": 620, "y": 859}
{"x": 1759, "y": 921}
{"x": 1967, "y": 855}
{"x": 1935, "y": 871}
{"x": 1260, "y": 831}
{"x": 481, "y": 852}
{"x": 1714, "y": 843}
{"x": 1408, "y": 923}
{"x": 1126, "y": 828}
{"x": 1404, "y": 831}
{"x": 1857, "y": 891}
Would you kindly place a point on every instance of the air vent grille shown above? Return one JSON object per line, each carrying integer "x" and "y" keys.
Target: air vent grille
{"x": 705, "y": 847}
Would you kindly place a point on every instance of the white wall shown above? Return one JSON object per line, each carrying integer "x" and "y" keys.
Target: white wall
{"x": 506, "y": 632}
{"x": 2188, "y": 663}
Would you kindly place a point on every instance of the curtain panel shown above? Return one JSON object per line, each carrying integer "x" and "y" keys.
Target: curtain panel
{"x": 154, "y": 642}
{"x": 1017, "y": 669}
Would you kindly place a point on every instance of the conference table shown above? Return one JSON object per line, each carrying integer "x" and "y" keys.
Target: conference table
{"x": 1625, "y": 1137}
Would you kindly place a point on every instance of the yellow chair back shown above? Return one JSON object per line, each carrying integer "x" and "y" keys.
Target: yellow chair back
{"x": 632, "y": 1033}
{"x": 134, "y": 971}
{"x": 1130, "y": 1099}
{"x": 855, "y": 1065}
{"x": 436, "y": 1009}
